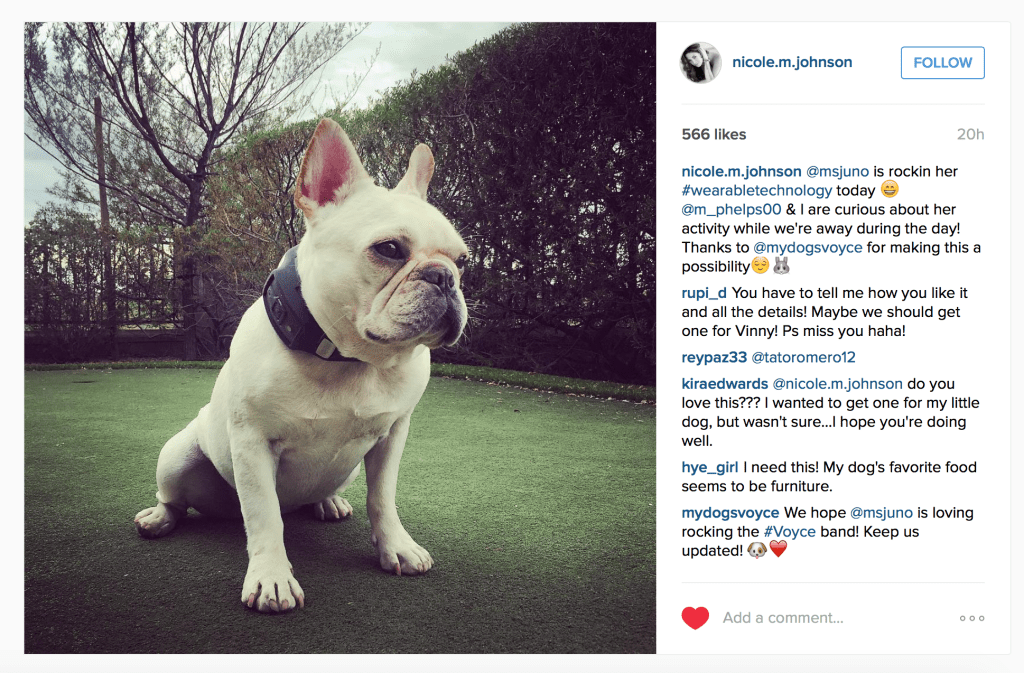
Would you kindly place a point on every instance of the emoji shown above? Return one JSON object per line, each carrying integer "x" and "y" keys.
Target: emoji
{"x": 757, "y": 549}
{"x": 778, "y": 546}
{"x": 760, "y": 264}
{"x": 890, "y": 188}
{"x": 695, "y": 617}
{"x": 783, "y": 266}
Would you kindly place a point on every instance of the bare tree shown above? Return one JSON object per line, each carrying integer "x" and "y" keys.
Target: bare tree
{"x": 173, "y": 95}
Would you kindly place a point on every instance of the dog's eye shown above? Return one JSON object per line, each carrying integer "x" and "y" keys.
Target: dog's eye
{"x": 389, "y": 249}
{"x": 460, "y": 263}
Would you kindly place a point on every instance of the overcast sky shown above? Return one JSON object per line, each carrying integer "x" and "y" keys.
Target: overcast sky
{"x": 404, "y": 47}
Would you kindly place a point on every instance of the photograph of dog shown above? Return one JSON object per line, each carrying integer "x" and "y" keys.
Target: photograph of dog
{"x": 379, "y": 271}
{"x": 399, "y": 355}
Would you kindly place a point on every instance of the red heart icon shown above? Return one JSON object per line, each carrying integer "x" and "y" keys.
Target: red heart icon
{"x": 695, "y": 617}
{"x": 778, "y": 546}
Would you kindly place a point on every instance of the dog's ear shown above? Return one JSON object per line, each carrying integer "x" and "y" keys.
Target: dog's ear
{"x": 421, "y": 169}
{"x": 330, "y": 169}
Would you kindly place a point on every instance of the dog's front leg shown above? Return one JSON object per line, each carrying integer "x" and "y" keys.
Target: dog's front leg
{"x": 269, "y": 584}
{"x": 397, "y": 550}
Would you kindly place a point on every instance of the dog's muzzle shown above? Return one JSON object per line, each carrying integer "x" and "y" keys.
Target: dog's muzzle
{"x": 453, "y": 317}
{"x": 427, "y": 306}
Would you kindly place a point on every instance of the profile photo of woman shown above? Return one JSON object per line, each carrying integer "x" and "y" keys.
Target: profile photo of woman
{"x": 700, "y": 62}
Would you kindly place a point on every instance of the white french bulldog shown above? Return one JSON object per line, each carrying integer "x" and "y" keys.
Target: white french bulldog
{"x": 380, "y": 274}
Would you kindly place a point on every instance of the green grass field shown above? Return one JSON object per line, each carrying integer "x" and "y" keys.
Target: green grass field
{"x": 538, "y": 509}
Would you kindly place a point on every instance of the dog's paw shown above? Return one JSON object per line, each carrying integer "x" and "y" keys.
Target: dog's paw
{"x": 333, "y": 508}
{"x": 401, "y": 555}
{"x": 271, "y": 587}
{"x": 157, "y": 521}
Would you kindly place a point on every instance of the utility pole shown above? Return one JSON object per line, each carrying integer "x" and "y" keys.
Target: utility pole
{"x": 106, "y": 236}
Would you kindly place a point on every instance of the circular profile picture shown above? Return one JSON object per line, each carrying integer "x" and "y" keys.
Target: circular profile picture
{"x": 700, "y": 62}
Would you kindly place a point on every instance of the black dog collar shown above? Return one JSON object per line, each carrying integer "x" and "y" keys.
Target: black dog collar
{"x": 291, "y": 319}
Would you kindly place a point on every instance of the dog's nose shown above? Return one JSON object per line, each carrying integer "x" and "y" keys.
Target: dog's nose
{"x": 440, "y": 276}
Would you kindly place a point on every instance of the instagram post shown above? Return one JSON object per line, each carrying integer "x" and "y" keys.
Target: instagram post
{"x": 681, "y": 338}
